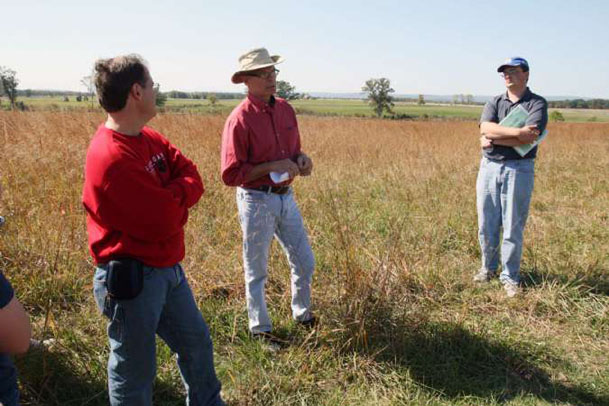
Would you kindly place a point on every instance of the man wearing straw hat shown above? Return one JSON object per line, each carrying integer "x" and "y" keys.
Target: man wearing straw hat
{"x": 261, "y": 156}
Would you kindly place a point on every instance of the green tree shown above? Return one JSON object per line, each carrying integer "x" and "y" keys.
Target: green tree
{"x": 556, "y": 116}
{"x": 9, "y": 81}
{"x": 89, "y": 84}
{"x": 378, "y": 95}
{"x": 421, "y": 100}
{"x": 286, "y": 91}
{"x": 212, "y": 99}
{"x": 161, "y": 98}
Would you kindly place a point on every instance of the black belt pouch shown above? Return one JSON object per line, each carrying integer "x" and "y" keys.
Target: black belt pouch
{"x": 125, "y": 278}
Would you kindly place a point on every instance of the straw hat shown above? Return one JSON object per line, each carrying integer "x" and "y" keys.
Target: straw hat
{"x": 255, "y": 59}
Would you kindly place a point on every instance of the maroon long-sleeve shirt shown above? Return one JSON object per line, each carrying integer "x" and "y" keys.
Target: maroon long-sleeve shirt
{"x": 137, "y": 193}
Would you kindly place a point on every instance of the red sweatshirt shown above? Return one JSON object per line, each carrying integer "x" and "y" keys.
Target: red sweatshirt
{"x": 137, "y": 193}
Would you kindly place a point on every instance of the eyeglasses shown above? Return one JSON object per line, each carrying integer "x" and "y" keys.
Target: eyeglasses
{"x": 266, "y": 74}
{"x": 509, "y": 72}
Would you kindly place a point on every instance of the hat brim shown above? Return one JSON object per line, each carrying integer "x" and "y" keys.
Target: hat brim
{"x": 238, "y": 76}
{"x": 506, "y": 65}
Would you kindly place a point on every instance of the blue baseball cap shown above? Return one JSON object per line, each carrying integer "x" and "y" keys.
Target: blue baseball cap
{"x": 514, "y": 61}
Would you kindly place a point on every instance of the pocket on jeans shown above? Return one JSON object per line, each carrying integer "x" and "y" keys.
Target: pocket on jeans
{"x": 100, "y": 292}
{"x": 253, "y": 196}
{"x": 104, "y": 302}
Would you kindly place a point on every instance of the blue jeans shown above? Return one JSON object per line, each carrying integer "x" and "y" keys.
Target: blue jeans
{"x": 262, "y": 216}
{"x": 9, "y": 395}
{"x": 503, "y": 192}
{"x": 165, "y": 307}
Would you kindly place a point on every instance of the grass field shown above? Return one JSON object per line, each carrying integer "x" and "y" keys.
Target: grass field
{"x": 390, "y": 209}
{"x": 325, "y": 107}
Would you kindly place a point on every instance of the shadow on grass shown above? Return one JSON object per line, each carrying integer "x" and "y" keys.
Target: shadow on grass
{"x": 595, "y": 280}
{"x": 49, "y": 378}
{"x": 456, "y": 363}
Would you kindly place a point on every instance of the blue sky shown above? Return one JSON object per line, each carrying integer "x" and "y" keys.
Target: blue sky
{"x": 429, "y": 47}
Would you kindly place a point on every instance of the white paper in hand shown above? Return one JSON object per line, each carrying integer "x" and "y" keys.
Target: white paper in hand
{"x": 278, "y": 177}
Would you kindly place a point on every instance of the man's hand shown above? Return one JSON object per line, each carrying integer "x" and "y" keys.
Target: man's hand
{"x": 485, "y": 142}
{"x": 286, "y": 165}
{"x": 305, "y": 164}
{"x": 528, "y": 134}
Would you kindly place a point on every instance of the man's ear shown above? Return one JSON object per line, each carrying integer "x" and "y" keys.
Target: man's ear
{"x": 136, "y": 91}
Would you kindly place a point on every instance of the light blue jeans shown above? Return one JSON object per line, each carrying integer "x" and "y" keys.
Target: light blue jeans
{"x": 503, "y": 192}
{"x": 262, "y": 216}
{"x": 165, "y": 307}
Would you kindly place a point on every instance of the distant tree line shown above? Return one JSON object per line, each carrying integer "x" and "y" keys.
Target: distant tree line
{"x": 406, "y": 99}
{"x": 174, "y": 94}
{"x": 177, "y": 94}
{"x": 464, "y": 99}
{"x": 47, "y": 93}
{"x": 580, "y": 104}
{"x": 284, "y": 90}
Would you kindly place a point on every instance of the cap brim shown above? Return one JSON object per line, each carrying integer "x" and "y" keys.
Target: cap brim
{"x": 238, "y": 76}
{"x": 507, "y": 65}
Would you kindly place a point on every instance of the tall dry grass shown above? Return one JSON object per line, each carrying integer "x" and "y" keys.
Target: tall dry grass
{"x": 390, "y": 210}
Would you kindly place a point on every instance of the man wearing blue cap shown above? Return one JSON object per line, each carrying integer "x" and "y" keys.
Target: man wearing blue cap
{"x": 505, "y": 179}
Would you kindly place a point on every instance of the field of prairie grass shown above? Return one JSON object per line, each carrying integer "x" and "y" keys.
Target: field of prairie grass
{"x": 390, "y": 210}
{"x": 320, "y": 107}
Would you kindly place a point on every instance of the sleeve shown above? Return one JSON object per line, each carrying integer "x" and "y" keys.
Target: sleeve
{"x": 538, "y": 115}
{"x": 186, "y": 183}
{"x": 6, "y": 291}
{"x": 132, "y": 201}
{"x": 234, "y": 153}
{"x": 298, "y": 147}
{"x": 489, "y": 113}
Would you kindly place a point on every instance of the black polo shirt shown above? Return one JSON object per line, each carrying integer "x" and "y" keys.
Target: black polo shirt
{"x": 496, "y": 110}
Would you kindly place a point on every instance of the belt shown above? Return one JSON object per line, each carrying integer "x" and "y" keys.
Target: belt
{"x": 279, "y": 190}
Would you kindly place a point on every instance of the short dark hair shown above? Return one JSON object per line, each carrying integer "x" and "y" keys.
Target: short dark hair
{"x": 114, "y": 78}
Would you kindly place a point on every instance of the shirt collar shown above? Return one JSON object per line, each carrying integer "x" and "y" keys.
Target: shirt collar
{"x": 525, "y": 96}
{"x": 261, "y": 104}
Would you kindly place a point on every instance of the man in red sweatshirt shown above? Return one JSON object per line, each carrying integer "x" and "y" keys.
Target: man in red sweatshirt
{"x": 137, "y": 192}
